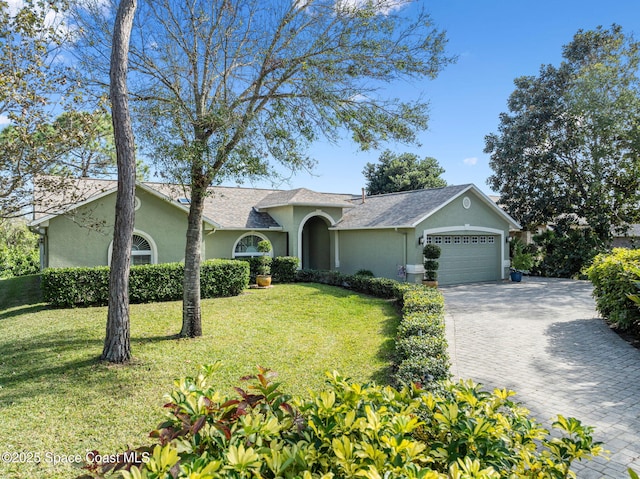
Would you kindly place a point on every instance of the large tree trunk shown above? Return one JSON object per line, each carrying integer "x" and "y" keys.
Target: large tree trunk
{"x": 191, "y": 317}
{"x": 117, "y": 347}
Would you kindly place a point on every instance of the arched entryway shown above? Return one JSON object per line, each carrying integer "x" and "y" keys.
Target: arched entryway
{"x": 315, "y": 243}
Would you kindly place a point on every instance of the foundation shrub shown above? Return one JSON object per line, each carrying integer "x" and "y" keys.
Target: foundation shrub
{"x": 350, "y": 430}
{"x": 284, "y": 268}
{"x": 332, "y": 278}
{"x": 254, "y": 263}
{"x": 69, "y": 287}
{"x": 614, "y": 276}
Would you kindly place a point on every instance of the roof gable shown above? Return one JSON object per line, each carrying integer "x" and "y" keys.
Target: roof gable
{"x": 409, "y": 208}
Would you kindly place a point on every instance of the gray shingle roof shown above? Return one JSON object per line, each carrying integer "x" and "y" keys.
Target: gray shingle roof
{"x": 402, "y": 209}
{"x": 303, "y": 196}
{"x": 247, "y": 208}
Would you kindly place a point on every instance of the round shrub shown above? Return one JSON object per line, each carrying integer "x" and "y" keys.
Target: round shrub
{"x": 365, "y": 272}
{"x": 431, "y": 251}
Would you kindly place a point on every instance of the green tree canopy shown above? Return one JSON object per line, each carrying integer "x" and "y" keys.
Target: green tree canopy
{"x": 570, "y": 144}
{"x": 404, "y": 172}
{"x": 228, "y": 88}
{"x": 30, "y": 75}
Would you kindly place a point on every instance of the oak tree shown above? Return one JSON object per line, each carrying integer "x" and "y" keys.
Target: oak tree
{"x": 570, "y": 145}
{"x": 404, "y": 172}
{"x": 229, "y": 88}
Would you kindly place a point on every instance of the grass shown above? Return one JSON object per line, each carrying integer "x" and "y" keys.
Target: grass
{"x": 57, "y": 397}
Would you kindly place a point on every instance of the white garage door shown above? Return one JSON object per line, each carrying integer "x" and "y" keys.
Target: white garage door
{"x": 468, "y": 258}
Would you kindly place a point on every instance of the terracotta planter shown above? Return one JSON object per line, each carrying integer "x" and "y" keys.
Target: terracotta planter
{"x": 263, "y": 280}
{"x": 429, "y": 284}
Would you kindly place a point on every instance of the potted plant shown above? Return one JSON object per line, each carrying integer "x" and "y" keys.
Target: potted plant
{"x": 520, "y": 263}
{"x": 431, "y": 253}
{"x": 263, "y": 276}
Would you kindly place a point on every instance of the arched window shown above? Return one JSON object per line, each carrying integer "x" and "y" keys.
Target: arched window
{"x": 248, "y": 246}
{"x": 143, "y": 249}
{"x": 140, "y": 251}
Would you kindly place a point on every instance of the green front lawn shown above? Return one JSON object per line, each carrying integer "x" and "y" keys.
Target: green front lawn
{"x": 56, "y": 397}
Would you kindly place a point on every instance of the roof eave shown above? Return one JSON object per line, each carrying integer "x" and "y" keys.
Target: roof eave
{"x": 262, "y": 209}
{"x": 72, "y": 207}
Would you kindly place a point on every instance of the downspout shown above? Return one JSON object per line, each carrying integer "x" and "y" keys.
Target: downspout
{"x": 404, "y": 251}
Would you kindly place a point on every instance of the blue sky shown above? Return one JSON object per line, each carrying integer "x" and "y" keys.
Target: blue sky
{"x": 496, "y": 41}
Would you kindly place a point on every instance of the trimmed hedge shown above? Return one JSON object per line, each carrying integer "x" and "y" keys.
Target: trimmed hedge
{"x": 421, "y": 347}
{"x": 614, "y": 276}
{"x": 70, "y": 287}
{"x": 283, "y": 268}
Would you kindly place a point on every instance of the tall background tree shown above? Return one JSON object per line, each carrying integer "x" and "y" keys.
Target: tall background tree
{"x": 224, "y": 88}
{"x": 570, "y": 145}
{"x": 404, "y": 172}
{"x": 33, "y": 85}
{"x": 117, "y": 347}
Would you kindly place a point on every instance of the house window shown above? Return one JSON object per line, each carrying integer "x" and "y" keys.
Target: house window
{"x": 140, "y": 251}
{"x": 456, "y": 240}
{"x": 429, "y": 240}
{"x": 474, "y": 240}
{"x": 438, "y": 239}
{"x": 465, "y": 239}
{"x": 490, "y": 239}
{"x": 447, "y": 240}
{"x": 483, "y": 239}
{"x": 248, "y": 246}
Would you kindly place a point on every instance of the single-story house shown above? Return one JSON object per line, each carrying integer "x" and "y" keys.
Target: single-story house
{"x": 384, "y": 233}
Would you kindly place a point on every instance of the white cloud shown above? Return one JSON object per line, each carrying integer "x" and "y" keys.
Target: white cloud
{"x": 4, "y": 120}
{"x": 470, "y": 161}
{"x": 14, "y": 6}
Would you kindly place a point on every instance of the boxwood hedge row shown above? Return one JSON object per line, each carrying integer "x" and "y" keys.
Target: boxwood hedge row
{"x": 421, "y": 347}
{"x": 71, "y": 287}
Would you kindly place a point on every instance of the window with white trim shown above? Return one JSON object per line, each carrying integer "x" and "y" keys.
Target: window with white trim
{"x": 474, "y": 240}
{"x": 140, "y": 251}
{"x": 247, "y": 246}
{"x": 490, "y": 239}
{"x": 456, "y": 240}
{"x": 447, "y": 240}
{"x": 438, "y": 239}
{"x": 483, "y": 239}
{"x": 465, "y": 239}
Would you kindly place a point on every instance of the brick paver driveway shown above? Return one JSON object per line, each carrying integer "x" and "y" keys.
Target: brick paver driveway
{"x": 543, "y": 339}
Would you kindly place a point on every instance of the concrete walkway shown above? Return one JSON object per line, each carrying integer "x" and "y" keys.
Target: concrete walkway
{"x": 543, "y": 339}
